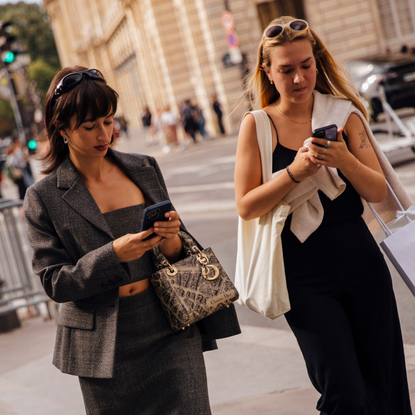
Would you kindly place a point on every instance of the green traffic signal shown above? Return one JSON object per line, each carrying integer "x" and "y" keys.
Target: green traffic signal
{"x": 32, "y": 144}
{"x": 9, "y": 57}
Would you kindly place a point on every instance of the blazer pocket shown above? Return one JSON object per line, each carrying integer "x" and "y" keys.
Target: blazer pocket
{"x": 78, "y": 318}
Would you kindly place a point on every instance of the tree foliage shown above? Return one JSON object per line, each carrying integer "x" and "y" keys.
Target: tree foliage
{"x": 6, "y": 118}
{"x": 31, "y": 26}
{"x": 42, "y": 73}
{"x": 32, "y": 29}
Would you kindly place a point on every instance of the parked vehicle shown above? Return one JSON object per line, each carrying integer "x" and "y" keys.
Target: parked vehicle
{"x": 395, "y": 72}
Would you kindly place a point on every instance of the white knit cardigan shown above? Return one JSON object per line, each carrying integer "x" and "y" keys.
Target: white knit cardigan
{"x": 329, "y": 109}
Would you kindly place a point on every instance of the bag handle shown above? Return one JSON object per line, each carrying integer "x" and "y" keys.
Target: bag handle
{"x": 160, "y": 261}
{"x": 382, "y": 224}
{"x": 264, "y": 138}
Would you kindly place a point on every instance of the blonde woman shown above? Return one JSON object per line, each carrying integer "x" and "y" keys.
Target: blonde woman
{"x": 343, "y": 310}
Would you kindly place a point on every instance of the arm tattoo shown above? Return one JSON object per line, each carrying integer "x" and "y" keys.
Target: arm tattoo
{"x": 364, "y": 143}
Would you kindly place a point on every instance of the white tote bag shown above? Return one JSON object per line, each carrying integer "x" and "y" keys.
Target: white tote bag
{"x": 260, "y": 273}
{"x": 399, "y": 244}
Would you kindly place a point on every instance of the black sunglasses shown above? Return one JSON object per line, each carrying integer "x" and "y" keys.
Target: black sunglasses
{"x": 297, "y": 25}
{"x": 69, "y": 82}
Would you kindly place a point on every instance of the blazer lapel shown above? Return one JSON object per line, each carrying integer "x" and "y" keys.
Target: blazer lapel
{"x": 81, "y": 200}
{"x": 78, "y": 196}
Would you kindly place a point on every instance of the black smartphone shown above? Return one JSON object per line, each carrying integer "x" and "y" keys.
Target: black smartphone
{"x": 155, "y": 213}
{"x": 329, "y": 132}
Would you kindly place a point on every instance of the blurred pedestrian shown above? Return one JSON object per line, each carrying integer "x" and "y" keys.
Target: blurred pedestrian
{"x": 170, "y": 120}
{"x": 189, "y": 123}
{"x": 156, "y": 133}
{"x": 123, "y": 125}
{"x": 84, "y": 227}
{"x": 146, "y": 117}
{"x": 343, "y": 310}
{"x": 200, "y": 120}
{"x": 18, "y": 167}
{"x": 218, "y": 111}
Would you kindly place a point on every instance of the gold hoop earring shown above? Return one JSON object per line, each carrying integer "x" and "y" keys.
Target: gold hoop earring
{"x": 271, "y": 82}
{"x": 316, "y": 71}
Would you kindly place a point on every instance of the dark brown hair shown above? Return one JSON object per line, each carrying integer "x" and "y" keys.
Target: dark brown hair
{"x": 90, "y": 99}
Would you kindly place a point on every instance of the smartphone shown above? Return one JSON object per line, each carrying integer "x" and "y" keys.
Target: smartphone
{"x": 155, "y": 213}
{"x": 329, "y": 132}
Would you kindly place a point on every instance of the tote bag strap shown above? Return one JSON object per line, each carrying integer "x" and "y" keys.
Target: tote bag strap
{"x": 264, "y": 137}
{"x": 383, "y": 225}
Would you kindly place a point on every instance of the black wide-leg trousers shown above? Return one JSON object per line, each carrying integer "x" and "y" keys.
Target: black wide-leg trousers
{"x": 344, "y": 316}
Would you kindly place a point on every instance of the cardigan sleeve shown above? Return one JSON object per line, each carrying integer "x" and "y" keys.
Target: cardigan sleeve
{"x": 62, "y": 279}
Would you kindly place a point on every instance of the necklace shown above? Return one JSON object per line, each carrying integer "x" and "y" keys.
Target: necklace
{"x": 286, "y": 116}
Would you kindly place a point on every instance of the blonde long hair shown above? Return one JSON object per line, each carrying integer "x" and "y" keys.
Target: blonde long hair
{"x": 331, "y": 78}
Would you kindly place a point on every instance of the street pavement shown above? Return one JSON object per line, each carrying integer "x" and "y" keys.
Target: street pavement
{"x": 259, "y": 372}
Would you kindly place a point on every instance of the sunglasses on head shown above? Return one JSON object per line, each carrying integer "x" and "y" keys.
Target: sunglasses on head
{"x": 69, "y": 82}
{"x": 297, "y": 25}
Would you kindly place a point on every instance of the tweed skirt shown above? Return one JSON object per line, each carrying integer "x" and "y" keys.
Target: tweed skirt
{"x": 157, "y": 371}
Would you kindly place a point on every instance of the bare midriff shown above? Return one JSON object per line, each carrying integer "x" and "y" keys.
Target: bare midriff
{"x": 134, "y": 288}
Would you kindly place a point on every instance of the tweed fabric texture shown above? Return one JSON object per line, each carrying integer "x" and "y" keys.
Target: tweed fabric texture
{"x": 77, "y": 266}
{"x": 157, "y": 371}
{"x": 128, "y": 220}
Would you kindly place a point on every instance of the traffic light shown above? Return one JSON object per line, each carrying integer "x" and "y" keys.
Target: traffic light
{"x": 32, "y": 146}
{"x": 6, "y": 39}
{"x": 9, "y": 57}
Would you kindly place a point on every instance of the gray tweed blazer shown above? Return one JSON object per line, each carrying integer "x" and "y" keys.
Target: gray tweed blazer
{"x": 73, "y": 256}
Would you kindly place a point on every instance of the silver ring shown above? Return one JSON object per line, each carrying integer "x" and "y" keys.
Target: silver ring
{"x": 322, "y": 157}
{"x": 328, "y": 144}
{"x": 324, "y": 152}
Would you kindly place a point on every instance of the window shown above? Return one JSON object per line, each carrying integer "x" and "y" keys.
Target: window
{"x": 397, "y": 18}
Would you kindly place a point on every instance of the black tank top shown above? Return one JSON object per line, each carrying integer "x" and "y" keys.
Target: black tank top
{"x": 347, "y": 206}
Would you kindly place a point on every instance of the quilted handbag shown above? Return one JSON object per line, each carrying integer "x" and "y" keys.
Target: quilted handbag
{"x": 192, "y": 288}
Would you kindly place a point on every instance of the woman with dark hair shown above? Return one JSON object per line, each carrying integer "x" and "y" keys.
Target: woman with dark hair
{"x": 343, "y": 310}
{"x": 18, "y": 167}
{"x": 84, "y": 227}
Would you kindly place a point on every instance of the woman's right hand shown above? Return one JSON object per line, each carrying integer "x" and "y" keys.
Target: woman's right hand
{"x": 132, "y": 246}
{"x": 302, "y": 166}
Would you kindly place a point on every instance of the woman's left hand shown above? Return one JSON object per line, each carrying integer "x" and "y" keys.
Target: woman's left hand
{"x": 330, "y": 153}
{"x": 168, "y": 229}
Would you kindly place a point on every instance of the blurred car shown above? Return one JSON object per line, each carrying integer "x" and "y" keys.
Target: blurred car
{"x": 395, "y": 72}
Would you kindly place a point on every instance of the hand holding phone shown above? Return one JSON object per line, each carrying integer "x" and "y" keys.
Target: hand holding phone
{"x": 329, "y": 132}
{"x": 155, "y": 213}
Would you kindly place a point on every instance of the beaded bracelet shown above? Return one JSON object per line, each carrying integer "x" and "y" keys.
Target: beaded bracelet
{"x": 290, "y": 174}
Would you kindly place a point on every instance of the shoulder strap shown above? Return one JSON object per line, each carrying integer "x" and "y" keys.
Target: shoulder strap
{"x": 275, "y": 128}
{"x": 264, "y": 137}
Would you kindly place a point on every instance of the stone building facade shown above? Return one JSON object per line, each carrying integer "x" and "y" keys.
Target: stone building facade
{"x": 157, "y": 53}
